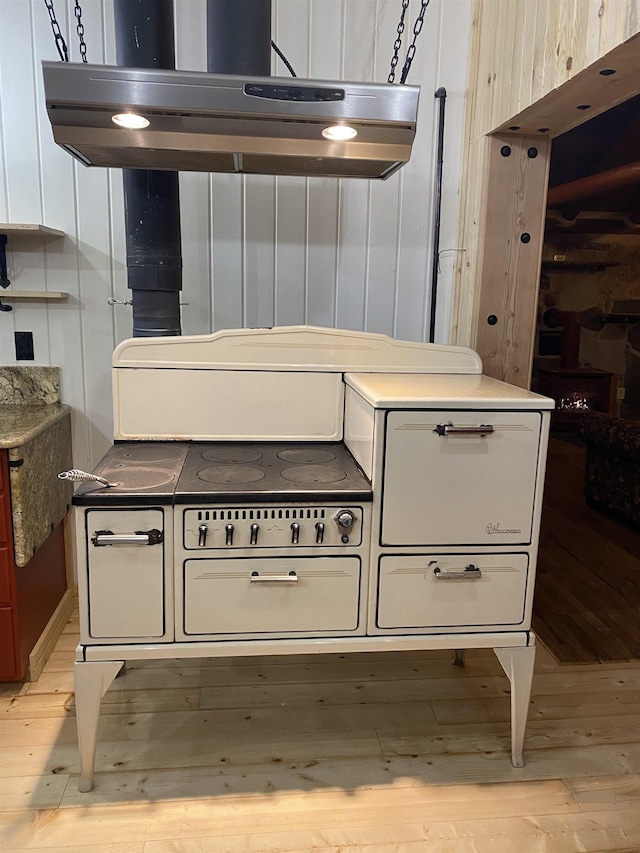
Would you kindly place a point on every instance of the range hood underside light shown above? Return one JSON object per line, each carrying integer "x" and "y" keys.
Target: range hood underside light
{"x": 247, "y": 134}
{"x": 211, "y": 153}
{"x": 131, "y": 121}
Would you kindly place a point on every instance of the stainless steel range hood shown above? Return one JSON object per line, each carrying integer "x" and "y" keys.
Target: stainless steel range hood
{"x": 221, "y": 123}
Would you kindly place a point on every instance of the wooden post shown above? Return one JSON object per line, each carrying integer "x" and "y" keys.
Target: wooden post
{"x": 510, "y": 255}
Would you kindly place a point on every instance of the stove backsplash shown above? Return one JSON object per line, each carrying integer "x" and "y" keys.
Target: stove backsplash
{"x": 29, "y": 385}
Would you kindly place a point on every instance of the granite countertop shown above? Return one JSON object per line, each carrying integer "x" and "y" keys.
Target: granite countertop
{"x": 19, "y": 423}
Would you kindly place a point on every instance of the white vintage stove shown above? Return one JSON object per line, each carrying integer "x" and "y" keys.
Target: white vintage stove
{"x": 298, "y": 489}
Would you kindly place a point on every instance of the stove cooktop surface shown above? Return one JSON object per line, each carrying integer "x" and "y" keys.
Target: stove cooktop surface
{"x": 262, "y": 472}
{"x": 229, "y": 472}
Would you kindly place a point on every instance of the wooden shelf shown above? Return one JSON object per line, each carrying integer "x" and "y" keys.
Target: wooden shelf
{"x": 33, "y": 295}
{"x": 13, "y": 229}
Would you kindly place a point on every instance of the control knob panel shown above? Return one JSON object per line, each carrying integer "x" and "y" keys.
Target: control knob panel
{"x": 272, "y": 527}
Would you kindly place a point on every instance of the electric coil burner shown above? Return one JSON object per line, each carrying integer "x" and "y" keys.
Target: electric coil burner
{"x": 202, "y": 472}
{"x": 234, "y": 472}
{"x": 297, "y": 490}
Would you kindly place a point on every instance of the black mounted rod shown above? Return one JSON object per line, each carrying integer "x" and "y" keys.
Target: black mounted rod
{"x": 441, "y": 94}
{"x": 4, "y": 276}
{"x": 239, "y": 37}
{"x": 145, "y": 39}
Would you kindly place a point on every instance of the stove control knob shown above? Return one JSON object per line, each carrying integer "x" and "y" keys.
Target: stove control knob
{"x": 253, "y": 537}
{"x": 295, "y": 533}
{"x": 345, "y": 518}
{"x": 319, "y": 533}
{"x": 228, "y": 530}
{"x": 202, "y": 535}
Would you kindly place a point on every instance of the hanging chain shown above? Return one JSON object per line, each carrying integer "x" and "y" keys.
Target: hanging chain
{"x": 417, "y": 27}
{"x": 57, "y": 32}
{"x": 398, "y": 42}
{"x": 411, "y": 52}
{"x": 80, "y": 29}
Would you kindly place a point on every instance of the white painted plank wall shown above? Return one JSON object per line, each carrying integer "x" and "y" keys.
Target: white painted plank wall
{"x": 257, "y": 251}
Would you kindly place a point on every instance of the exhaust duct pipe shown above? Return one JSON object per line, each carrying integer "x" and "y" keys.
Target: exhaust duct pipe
{"x": 145, "y": 39}
{"x": 239, "y": 37}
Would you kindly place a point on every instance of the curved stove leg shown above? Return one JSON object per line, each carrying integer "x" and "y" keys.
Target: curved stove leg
{"x": 92, "y": 680}
{"x": 518, "y": 664}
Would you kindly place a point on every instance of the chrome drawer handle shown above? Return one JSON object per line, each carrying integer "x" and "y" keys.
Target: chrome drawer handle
{"x": 256, "y": 577}
{"x": 450, "y": 429}
{"x": 140, "y": 537}
{"x": 470, "y": 573}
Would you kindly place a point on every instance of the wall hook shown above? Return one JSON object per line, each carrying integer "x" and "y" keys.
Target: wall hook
{"x": 4, "y": 307}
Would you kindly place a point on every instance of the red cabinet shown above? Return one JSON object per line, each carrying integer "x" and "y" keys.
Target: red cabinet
{"x": 29, "y": 594}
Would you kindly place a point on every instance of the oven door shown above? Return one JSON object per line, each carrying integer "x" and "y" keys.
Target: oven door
{"x": 460, "y": 477}
{"x": 288, "y": 596}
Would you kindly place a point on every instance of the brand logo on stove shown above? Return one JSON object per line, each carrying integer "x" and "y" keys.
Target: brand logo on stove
{"x": 494, "y": 527}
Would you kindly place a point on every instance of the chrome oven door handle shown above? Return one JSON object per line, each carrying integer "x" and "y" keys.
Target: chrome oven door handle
{"x": 450, "y": 429}
{"x": 256, "y": 577}
{"x": 140, "y": 537}
{"x": 469, "y": 573}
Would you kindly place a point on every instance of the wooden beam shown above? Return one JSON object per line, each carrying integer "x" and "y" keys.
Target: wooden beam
{"x": 592, "y": 185}
{"x": 591, "y": 91}
{"x": 511, "y": 249}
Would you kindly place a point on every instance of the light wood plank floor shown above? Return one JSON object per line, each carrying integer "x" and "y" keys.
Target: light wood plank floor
{"x": 357, "y": 753}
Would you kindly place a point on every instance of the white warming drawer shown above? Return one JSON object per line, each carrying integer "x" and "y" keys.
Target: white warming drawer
{"x": 459, "y": 477}
{"x": 453, "y": 590}
{"x": 126, "y": 574}
{"x": 254, "y": 596}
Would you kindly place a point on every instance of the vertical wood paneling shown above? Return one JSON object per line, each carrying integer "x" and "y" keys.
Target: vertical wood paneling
{"x": 290, "y": 23}
{"x": 453, "y": 53}
{"x": 485, "y": 77}
{"x": 504, "y": 93}
{"x": 325, "y": 57}
{"x": 525, "y": 67}
{"x": 417, "y": 200}
{"x": 613, "y": 17}
{"x": 291, "y": 28}
{"x": 383, "y": 222}
{"x": 20, "y": 136}
{"x": 552, "y": 22}
{"x": 569, "y": 36}
{"x": 3, "y": 162}
{"x": 351, "y": 270}
{"x": 94, "y": 240}
{"x": 382, "y": 261}
{"x": 539, "y": 36}
{"x": 61, "y": 256}
{"x": 227, "y": 224}
{"x": 259, "y": 250}
{"x": 632, "y": 19}
{"x": 290, "y": 251}
{"x": 352, "y": 262}
{"x": 322, "y": 228}
{"x": 594, "y": 30}
{"x": 24, "y": 193}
